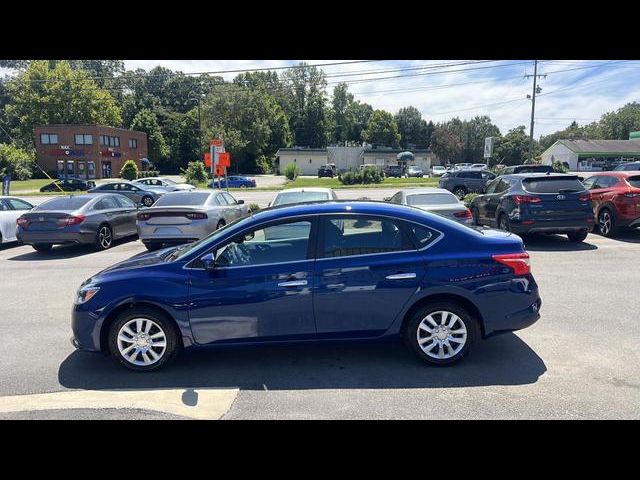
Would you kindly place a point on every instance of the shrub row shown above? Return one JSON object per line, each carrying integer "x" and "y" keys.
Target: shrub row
{"x": 366, "y": 176}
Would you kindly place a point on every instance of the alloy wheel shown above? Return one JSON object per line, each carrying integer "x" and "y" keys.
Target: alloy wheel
{"x": 147, "y": 201}
{"x": 441, "y": 334}
{"x": 141, "y": 341}
{"x": 105, "y": 237}
{"x": 604, "y": 222}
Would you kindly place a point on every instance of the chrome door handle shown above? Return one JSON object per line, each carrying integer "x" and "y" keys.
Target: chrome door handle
{"x": 294, "y": 283}
{"x": 401, "y": 276}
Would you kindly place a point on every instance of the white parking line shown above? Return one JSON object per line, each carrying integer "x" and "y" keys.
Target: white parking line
{"x": 198, "y": 403}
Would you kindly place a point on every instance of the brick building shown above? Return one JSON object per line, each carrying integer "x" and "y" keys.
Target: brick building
{"x": 88, "y": 151}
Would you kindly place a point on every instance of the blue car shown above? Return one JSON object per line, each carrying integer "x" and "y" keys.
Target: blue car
{"x": 352, "y": 270}
{"x": 234, "y": 181}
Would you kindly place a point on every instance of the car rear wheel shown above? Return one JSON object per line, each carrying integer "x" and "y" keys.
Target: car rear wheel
{"x": 42, "y": 247}
{"x": 153, "y": 246}
{"x": 104, "y": 237}
{"x": 459, "y": 192}
{"x": 220, "y": 224}
{"x": 503, "y": 223}
{"x": 578, "y": 237}
{"x": 243, "y": 186}
{"x": 441, "y": 333}
{"x": 143, "y": 339}
{"x": 606, "y": 223}
{"x": 147, "y": 201}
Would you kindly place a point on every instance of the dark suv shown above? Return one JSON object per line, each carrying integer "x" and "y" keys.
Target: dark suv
{"x": 393, "y": 171}
{"x": 536, "y": 203}
{"x": 327, "y": 171}
{"x": 461, "y": 182}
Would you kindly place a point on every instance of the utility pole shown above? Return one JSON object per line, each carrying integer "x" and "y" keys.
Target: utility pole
{"x": 532, "y": 97}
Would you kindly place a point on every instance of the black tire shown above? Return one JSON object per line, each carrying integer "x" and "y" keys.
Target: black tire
{"x": 153, "y": 246}
{"x": 578, "y": 237}
{"x": 173, "y": 343}
{"x": 42, "y": 247}
{"x": 460, "y": 192}
{"x": 606, "y": 228}
{"x": 147, "y": 201}
{"x": 104, "y": 237}
{"x": 413, "y": 331}
{"x": 503, "y": 222}
{"x": 220, "y": 224}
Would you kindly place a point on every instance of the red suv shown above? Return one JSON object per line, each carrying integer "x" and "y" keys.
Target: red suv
{"x": 616, "y": 200}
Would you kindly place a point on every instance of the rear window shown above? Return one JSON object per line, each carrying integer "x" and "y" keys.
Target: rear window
{"x": 432, "y": 199}
{"x": 552, "y": 184}
{"x": 634, "y": 181}
{"x": 179, "y": 199}
{"x": 66, "y": 203}
{"x": 286, "y": 198}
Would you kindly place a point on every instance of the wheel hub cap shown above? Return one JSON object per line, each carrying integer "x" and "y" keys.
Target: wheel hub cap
{"x": 442, "y": 334}
{"x": 141, "y": 341}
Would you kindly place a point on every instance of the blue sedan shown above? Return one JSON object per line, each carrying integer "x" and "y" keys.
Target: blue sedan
{"x": 348, "y": 271}
{"x": 234, "y": 181}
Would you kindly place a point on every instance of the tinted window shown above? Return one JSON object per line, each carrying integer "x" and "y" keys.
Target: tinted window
{"x": 422, "y": 236}
{"x": 107, "y": 203}
{"x": 487, "y": 175}
{"x": 125, "y": 202}
{"x": 66, "y": 203}
{"x": 552, "y": 184}
{"x": 634, "y": 181}
{"x": 186, "y": 198}
{"x": 605, "y": 182}
{"x": 268, "y": 245}
{"x": 108, "y": 186}
{"x": 4, "y": 206}
{"x": 432, "y": 199}
{"x": 19, "y": 204}
{"x": 361, "y": 235}
{"x": 285, "y": 198}
{"x": 590, "y": 183}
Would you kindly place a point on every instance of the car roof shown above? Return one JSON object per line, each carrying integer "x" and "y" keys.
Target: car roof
{"x": 424, "y": 190}
{"x": 306, "y": 189}
{"x": 616, "y": 173}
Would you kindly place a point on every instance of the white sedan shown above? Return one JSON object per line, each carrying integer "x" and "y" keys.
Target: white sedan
{"x": 10, "y": 209}
{"x": 435, "y": 200}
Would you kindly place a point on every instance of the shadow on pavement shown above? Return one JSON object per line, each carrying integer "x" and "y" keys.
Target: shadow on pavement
{"x": 555, "y": 243}
{"x": 627, "y": 235}
{"x": 59, "y": 252}
{"x": 502, "y": 360}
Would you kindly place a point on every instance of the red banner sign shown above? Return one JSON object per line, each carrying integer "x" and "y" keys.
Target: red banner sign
{"x": 224, "y": 159}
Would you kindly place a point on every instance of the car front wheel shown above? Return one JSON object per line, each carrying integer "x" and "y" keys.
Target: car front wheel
{"x": 143, "y": 339}
{"x": 459, "y": 192}
{"x": 578, "y": 237}
{"x": 104, "y": 237}
{"x": 441, "y": 333}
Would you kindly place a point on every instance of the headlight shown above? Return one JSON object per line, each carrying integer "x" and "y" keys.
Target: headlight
{"x": 86, "y": 293}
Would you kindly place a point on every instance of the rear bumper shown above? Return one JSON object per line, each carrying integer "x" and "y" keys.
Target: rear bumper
{"x": 550, "y": 226}
{"x": 174, "y": 233}
{"x": 56, "y": 238}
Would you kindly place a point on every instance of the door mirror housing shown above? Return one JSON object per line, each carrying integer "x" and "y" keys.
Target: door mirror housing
{"x": 240, "y": 202}
{"x": 209, "y": 262}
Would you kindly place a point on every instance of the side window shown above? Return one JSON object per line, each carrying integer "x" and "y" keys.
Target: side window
{"x": 491, "y": 187}
{"x": 125, "y": 202}
{"x": 475, "y": 175}
{"x": 361, "y": 235}
{"x": 220, "y": 200}
{"x": 285, "y": 242}
{"x": 3, "y": 206}
{"x": 488, "y": 175}
{"x": 107, "y": 203}
{"x": 608, "y": 182}
{"x": 590, "y": 183}
{"x": 396, "y": 198}
{"x": 503, "y": 186}
{"x": 422, "y": 236}
{"x": 19, "y": 204}
{"x": 127, "y": 187}
{"x": 230, "y": 200}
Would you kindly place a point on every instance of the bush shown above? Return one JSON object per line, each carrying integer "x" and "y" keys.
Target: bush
{"x": 263, "y": 165}
{"x": 148, "y": 173}
{"x": 292, "y": 171}
{"x": 366, "y": 176}
{"x": 468, "y": 198}
{"x": 254, "y": 207}
{"x": 195, "y": 173}
{"x": 129, "y": 170}
{"x": 16, "y": 162}
{"x": 560, "y": 167}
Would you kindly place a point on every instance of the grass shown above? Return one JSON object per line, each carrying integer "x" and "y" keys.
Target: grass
{"x": 387, "y": 183}
{"x": 29, "y": 186}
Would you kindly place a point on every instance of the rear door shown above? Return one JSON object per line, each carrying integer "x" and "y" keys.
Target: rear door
{"x": 110, "y": 209}
{"x": 128, "y": 213}
{"x": 561, "y": 199}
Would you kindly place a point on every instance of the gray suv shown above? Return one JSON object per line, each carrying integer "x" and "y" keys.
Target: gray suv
{"x": 461, "y": 182}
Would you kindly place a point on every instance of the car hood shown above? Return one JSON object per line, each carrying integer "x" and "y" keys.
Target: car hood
{"x": 142, "y": 260}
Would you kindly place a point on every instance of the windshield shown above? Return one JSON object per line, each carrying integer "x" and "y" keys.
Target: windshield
{"x": 432, "y": 199}
{"x": 180, "y": 199}
{"x": 66, "y": 203}
{"x": 286, "y": 198}
{"x": 552, "y": 185}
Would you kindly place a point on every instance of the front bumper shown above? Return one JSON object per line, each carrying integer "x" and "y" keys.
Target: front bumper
{"x": 86, "y": 327}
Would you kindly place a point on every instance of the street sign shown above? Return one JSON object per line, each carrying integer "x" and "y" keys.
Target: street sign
{"x": 224, "y": 159}
{"x": 488, "y": 147}
{"x": 207, "y": 160}
{"x": 216, "y": 142}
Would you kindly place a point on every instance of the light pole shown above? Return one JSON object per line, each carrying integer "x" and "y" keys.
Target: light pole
{"x": 536, "y": 89}
{"x": 198, "y": 99}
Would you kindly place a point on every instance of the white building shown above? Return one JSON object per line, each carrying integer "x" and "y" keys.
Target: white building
{"x": 591, "y": 155}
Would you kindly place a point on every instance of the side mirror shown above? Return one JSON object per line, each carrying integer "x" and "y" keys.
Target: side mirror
{"x": 209, "y": 262}
{"x": 240, "y": 202}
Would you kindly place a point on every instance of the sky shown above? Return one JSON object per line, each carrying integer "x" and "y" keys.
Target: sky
{"x": 443, "y": 89}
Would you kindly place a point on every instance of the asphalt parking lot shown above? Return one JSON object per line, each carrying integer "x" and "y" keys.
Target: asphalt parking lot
{"x": 581, "y": 360}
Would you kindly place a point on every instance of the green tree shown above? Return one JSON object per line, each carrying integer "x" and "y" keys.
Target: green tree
{"x": 146, "y": 121}
{"x": 513, "y": 148}
{"x": 412, "y": 128}
{"x": 41, "y": 95}
{"x": 129, "y": 170}
{"x": 382, "y": 129}
{"x": 617, "y": 125}
{"x": 446, "y": 145}
{"x": 361, "y": 113}
{"x": 17, "y": 162}
{"x": 342, "y": 115}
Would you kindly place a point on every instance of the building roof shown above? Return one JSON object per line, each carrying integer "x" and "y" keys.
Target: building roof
{"x": 58, "y": 125}
{"x": 302, "y": 149}
{"x": 601, "y": 147}
{"x": 366, "y": 150}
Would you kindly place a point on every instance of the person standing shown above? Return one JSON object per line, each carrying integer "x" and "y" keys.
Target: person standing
{"x": 6, "y": 182}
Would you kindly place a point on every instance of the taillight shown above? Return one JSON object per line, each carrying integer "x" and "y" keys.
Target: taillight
{"x": 70, "y": 220}
{"x": 585, "y": 197}
{"x": 197, "y": 216}
{"x": 520, "y": 199}
{"x": 465, "y": 214}
{"x": 519, "y": 262}
{"x": 144, "y": 216}
{"x": 23, "y": 222}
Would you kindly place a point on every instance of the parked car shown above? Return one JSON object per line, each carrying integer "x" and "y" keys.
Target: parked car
{"x": 361, "y": 271}
{"x": 235, "y": 181}
{"x": 479, "y": 165}
{"x": 299, "y": 195}
{"x": 393, "y": 171}
{"x": 616, "y": 200}
{"x": 435, "y": 200}
{"x": 328, "y": 170}
{"x": 140, "y": 194}
{"x": 462, "y": 166}
{"x": 536, "y": 203}
{"x": 438, "y": 170}
{"x": 629, "y": 166}
{"x": 10, "y": 209}
{"x": 414, "y": 171}
{"x": 181, "y": 217}
{"x": 163, "y": 182}
{"x": 527, "y": 169}
{"x": 369, "y": 165}
{"x": 461, "y": 182}
{"x": 69, "y": 185}
{"x": 88, "y": 219}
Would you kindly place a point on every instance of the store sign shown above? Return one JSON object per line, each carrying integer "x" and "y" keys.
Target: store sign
{"x": 66, "y": 152}
{"x": 110, "y": 153}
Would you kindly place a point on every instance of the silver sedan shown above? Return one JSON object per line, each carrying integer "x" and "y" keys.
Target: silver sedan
{"x": 435, "y": 200}
{"x": 181, "y": 217}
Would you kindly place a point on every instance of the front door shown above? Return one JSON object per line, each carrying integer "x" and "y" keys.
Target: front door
{"x": 260, "y": 290}
{"x": 106, "y": 169}
{"x": 366, "y": 271}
